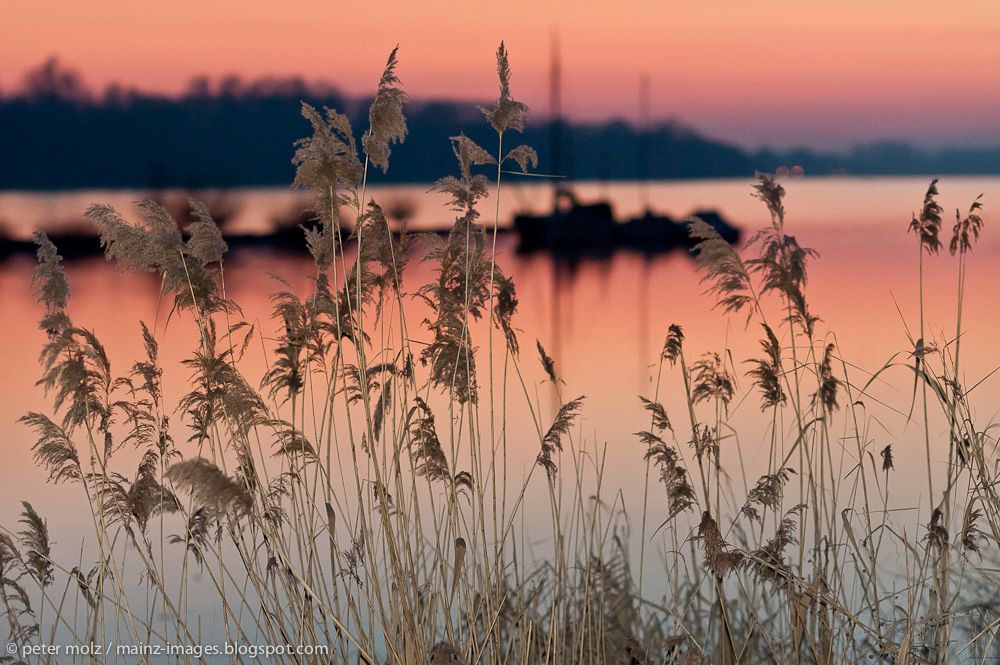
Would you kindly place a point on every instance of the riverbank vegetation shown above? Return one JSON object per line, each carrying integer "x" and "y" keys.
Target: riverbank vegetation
{"x": 369, "y": 493}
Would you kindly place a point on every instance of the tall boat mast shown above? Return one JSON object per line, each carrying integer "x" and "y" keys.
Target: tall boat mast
{"x": 555, "y": 115}
{"x": 645, "y": 134}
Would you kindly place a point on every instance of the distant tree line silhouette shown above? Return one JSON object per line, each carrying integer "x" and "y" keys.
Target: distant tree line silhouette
{"x": 55, "y": 133}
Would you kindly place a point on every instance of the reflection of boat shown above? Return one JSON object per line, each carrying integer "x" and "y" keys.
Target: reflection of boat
{"x": 591, "y": 228}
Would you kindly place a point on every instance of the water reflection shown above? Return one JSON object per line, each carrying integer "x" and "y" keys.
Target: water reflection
{"x": 602, "y": 321}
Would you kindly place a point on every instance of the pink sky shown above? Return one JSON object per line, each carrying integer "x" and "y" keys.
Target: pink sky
{"x": 826, "y": 74}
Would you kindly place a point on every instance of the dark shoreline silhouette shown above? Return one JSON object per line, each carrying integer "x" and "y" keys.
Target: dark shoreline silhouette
{"x": 56, "y": 134}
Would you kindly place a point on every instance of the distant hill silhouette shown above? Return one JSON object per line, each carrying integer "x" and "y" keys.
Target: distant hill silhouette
{"x": 56, "y": 134}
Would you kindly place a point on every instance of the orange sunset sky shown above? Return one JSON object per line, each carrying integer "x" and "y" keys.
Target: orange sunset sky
{"x": 767, "y": 72}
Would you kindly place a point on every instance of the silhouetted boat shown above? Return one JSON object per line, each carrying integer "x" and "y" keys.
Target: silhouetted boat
{"x": 591, "y": 228}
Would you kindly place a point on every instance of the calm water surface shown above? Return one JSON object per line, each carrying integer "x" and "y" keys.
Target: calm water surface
{"x": 603, "y": 321}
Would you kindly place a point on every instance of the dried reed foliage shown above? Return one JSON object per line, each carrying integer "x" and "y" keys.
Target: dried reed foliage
{"x": 156, "y": 245}
{"x": 767, "y": 562}
{"x": 510, "y": 114}
{"x": 767, "y": 493}
{"x": 291, "y": 441}
{"x": 723, "y": 267}
{"x": 705, "y": 442}
{"x": 507, "y": 114}
{"x": 637, "y": 655}
{"x": 49, "y": 278}
{"x": 378, "y": 269}
{"x": 140, "y": 499}
{"x": 583, "y": 609}
{"x": 825, "y": 396}
{"x": 327, "y": 164}
{"x": 15, "y": 599}
{"x": 927, "y": 225}
{"x": 767, "y": 373}
{"x": 937, "y": 532}
{"x": 38, "y": 553}
{"x": 552, "y": 441}
{"x": 221, "y": 395}
{"x": 468, "y": 279}
{"x": 504, "y": 308}
{"x": 425, "y": 447}
{"x": 672, "y": 345}
{"x": 610, "y": 614}
{"x": 886, "y": 454}
{"x": 658, "y": 413}
{"x": 720, "y": 557}
{"x": 221, "y": 495}
{"x": 75, "y": 364}
{"x": 712, "y": 380}
{"x": 781, "y": 261}
{"x": 54, "y": 449}
{"x": 458, "y": 296}
{"x": 966, "y": 230}
{"x": 547, "y": 363}
{"x": 149, "y": 426}
{"x": 78, "y": 371}
{"x": 387, "y": 123}
{"x": 299, "y": 344}
{"x": 680, "y": 493}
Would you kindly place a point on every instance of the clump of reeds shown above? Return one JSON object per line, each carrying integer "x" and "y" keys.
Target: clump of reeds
{"x": 361, "y": 496}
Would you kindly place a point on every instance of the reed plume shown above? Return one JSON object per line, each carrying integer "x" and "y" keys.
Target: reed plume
{"x": 672, "y": 345}
{"x": 49, "y": 278}
{"x": 966, "y": 230}
{"x": 219, "y": 495}
{"x": 767, "y": 374}
{"x": 552, "y": 441}
{"x": 547, "y": 363}
{"x": 781, "y": 262}
{"x": 35, "y": 536}
{"x": 54, "y": 449}
{"x": 767, "y": 493}
{"x": 387, "y": 123}
{"x": 927, "y": 225}
{"x": 428, "y": 455}
{"x": 156, "y": 246}
{"x": 712, "y": 380}
{"x": 720, "y": 557}
{"x": 767, "y": 563}
{"x": 826, "y": 395}
{"x": 723, "y": 267}
{"x": 327, "y": 163}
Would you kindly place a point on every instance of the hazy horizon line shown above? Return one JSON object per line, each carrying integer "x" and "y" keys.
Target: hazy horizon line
{"x": 54, "y": 78}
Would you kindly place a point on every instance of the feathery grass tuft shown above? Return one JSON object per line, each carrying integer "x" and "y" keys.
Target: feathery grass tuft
{"x": 428, "y": 455}
{"x": 767, "y": 375}
{"x": 547, "y": 363}
{"x": 826, "y": 395}
{"x": 49, "y": 278}
{"x": 552, "y": 441}
{"x": 712, "y": 380}
{"x": 723, "y": 267}
{"x": 672, "y": 345}
{"x": 966, "y": 230}
{"x": 767, "y": 493}
{"x": 720, "y": 557}
{"x": 54, "y": 449}
{"x": 388, "y": 125}
{"x": 218, "y": 495}
{"x": 927, "y": 225}
{"x": 35, "y": 536}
